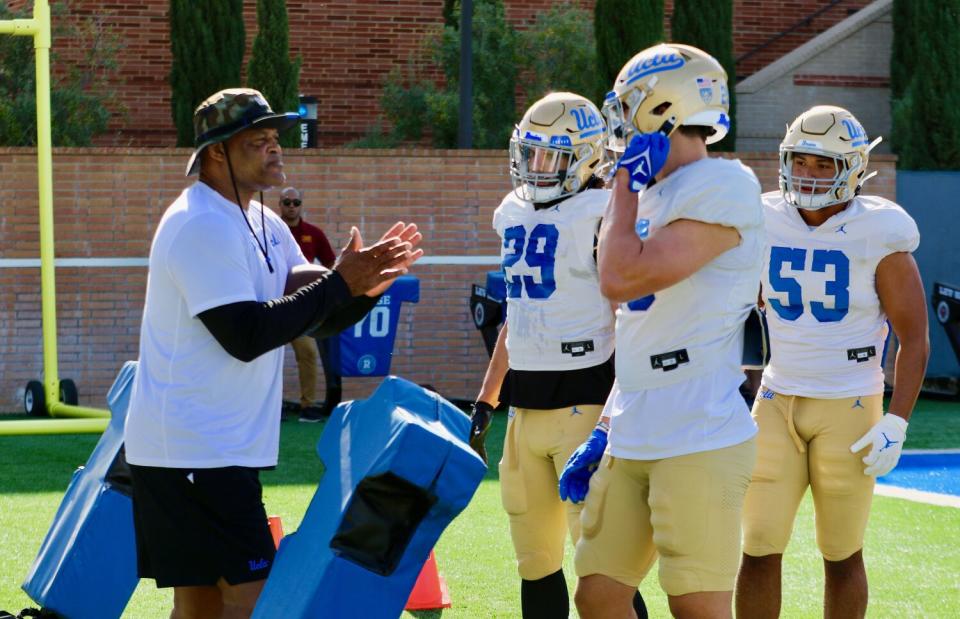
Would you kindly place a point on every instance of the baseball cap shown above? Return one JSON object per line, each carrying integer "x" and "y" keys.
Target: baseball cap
{"x": 227, "y": 113}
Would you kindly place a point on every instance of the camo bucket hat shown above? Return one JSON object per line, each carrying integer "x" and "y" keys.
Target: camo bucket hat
{"x": 229, "y": 112}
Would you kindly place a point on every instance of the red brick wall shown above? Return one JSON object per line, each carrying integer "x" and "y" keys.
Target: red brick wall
{"x": 349, "y": 46}
{"x": 107, "y": 203}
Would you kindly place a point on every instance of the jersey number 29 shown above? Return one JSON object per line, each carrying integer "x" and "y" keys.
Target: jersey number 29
{"x": 541, "y": 250}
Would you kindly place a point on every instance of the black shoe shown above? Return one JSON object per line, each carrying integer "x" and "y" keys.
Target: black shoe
{"x": 312, "y": 414}
{"x": 289, "y": 409}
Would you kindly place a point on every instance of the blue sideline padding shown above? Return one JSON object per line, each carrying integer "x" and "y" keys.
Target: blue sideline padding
{"x": 497, "y": 287}
{"x": 87, "y": 564}
{"x": 398, "y": 469}
{"x": 366, "y": 348}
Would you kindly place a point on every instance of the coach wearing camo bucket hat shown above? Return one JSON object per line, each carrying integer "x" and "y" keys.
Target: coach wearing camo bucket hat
{"x": 204, "y": 414}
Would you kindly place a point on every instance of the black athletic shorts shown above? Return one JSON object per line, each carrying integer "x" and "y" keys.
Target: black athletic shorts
{"x": 195, "y": 526}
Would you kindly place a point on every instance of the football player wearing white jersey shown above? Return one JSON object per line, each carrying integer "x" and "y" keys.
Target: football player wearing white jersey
{"x": 553, "y": 361}
{"x": 837, "y": 268}
{"x": 680, "y": 250}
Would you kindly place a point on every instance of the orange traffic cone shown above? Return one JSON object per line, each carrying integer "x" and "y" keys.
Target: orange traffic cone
{"x": 430, "y": 591}
{"x": 276, "y": 529}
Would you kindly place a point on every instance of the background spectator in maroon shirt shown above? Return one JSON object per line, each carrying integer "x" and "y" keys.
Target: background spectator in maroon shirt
{"x": 316, "y": 248}
{"x": 313, "y": 242}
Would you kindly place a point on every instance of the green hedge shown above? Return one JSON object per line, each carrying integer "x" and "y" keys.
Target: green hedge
{"x": 925, "y": 84}
{"x": 708, "y": 24}
{"x": 271, "y": 71}
{"x": 621, "y": 29}
{"x": 81, "y": 100}
{"x": 207, "y": 38}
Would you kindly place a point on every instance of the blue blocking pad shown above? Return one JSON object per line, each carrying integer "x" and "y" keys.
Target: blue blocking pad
{"x": 87, "y": 564}
{"x": 366, "y": 348}
{"x": 398, "y": 469}
{"x": 497, "y": 288}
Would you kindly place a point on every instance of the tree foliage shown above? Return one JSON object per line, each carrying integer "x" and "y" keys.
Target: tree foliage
{"x": 411, "y": 102}
{"x": 80, "y": 99}
{"x": 555, "y": 53}
{"x": 271, "y": 71}
{"x": 708, "y": 24}
{"x": 207, "y": 39}
{"x": 621, "y": 29}
{"x": 925, "y": 72}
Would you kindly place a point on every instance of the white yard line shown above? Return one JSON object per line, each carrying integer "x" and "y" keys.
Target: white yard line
{"x": 918, "y": 496}
{"x": 919, "y": 452}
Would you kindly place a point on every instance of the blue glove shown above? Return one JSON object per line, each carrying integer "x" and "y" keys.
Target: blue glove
{"x": 575, "y": 479}
{"x": 644, "y": 157}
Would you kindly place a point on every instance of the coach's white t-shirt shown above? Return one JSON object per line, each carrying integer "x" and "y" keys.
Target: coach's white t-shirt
{"x": 193, "y": 405}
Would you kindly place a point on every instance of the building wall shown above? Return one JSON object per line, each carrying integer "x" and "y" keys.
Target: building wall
{"x": 349, "y": 46}
{"x": 107, "y": 203}
{"x": 757, "y": 22}
{"x": 931, "y": 198}
{"x": 854, "y": 73}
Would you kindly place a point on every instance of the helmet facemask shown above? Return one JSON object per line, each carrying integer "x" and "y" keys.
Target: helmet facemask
{"x": 816, "y": 193}
{"x": 617, "y": 111}
{"x": 555, "y": 148}
{"x": 832, "y": 133}
{"x": 539, "y": 171}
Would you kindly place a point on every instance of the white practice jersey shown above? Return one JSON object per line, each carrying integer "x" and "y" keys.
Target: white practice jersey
{"x": 695, "y": 326}
{"x": 827, "y": 329}
{"x": 557, "y": 318}
{"x": 679, "y": 350}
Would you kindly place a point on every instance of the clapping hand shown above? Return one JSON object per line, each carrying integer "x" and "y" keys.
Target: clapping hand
{"x": 371, "y": 270}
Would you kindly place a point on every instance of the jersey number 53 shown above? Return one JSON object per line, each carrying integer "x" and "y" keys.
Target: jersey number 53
{"x": 796, "y": 258}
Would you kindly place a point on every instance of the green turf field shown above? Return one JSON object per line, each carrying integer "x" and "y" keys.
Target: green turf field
{"x": 912, "y": 550}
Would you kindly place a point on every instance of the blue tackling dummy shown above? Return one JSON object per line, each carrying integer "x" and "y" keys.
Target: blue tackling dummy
{"x": 87, "y": 564}
{"x": 398, "y": 470}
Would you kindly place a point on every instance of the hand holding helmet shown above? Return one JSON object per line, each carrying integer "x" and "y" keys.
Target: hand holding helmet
{"x": 644, "y": 158}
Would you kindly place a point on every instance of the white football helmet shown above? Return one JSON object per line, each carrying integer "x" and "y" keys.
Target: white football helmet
{"x": 826, "y": 131}
{"x": 664, "y": 87}
{"x": 556, "y": 147}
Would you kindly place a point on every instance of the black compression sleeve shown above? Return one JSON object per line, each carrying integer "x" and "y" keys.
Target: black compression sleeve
{"x": 248, "y": 329}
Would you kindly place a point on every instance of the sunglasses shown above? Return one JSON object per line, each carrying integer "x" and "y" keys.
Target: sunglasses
{"x": 288, "y": 202}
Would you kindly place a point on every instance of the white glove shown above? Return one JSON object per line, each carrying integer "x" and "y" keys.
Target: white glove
{"x": 886, "y": 441}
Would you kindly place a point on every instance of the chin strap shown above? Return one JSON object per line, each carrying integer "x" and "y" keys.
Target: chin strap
{"x": 668, "y": 126}
{"x": 264, "y": 247}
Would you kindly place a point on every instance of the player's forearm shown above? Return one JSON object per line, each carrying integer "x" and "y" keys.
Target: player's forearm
{"x": 620, "y": 248}
{"x": 496, "y": 371}
{"x": 908, "y": 374}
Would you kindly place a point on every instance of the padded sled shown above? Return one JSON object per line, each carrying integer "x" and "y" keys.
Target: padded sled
{"x": 87, "y": 564}
{"x": 398, "y": 470}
